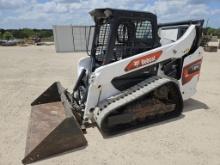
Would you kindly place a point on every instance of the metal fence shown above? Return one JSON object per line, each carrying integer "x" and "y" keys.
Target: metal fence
{"x": 73, "y": 38}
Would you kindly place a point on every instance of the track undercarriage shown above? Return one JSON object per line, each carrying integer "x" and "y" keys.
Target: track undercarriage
{"x": 153, "y": 99}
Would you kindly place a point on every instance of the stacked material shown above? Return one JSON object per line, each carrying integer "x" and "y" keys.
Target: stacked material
{"x": 212, "y": 46}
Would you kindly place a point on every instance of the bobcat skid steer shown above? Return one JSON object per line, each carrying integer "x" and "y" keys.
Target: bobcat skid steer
{"x": 137, "y": 71}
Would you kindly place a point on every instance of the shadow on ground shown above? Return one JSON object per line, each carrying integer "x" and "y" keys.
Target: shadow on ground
{"x": 59, "y": 154}
{"x": 192, "y": 104}
{"x": 189, "y": 105}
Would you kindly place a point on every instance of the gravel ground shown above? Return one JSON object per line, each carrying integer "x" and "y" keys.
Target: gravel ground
{"x": 193, "y": 138}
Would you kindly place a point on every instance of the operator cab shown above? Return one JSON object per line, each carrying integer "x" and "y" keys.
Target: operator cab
{"x": 122, "y": 33}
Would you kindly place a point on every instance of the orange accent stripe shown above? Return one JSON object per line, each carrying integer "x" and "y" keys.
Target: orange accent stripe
{"x": 187, "y": 75}
{"x": 144, "y": 60}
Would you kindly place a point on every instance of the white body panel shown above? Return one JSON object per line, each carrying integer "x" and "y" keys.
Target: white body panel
{"x": 100, "y": 81}
{"x": 189, "y": 89}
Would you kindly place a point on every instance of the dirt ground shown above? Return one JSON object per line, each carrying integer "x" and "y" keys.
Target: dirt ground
{"x": 193, "y": 138}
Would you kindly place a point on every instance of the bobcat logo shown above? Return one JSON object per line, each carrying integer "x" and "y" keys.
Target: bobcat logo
{"x": 144, "y": 60}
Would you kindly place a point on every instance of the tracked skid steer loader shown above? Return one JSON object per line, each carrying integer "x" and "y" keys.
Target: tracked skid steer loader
{"x": 138, "y": 71}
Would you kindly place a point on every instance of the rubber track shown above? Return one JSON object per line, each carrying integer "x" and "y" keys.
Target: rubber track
{"x": 114, "y": 102}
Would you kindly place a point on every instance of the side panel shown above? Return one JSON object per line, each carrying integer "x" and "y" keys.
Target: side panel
{"x": 103, "y": 75}
{"x": 190, "y": 73}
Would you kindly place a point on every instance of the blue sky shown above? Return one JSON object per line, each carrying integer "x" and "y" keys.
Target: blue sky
{"x": 45, "y": 13}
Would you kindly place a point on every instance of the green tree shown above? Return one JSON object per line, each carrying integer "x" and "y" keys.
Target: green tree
{"x": 7, "y": 36}
{"x": 0, "y": 35}
{"x": 45, "y": 33}
{"x": 28, "y": 33}
{"x": 214, "y": 32}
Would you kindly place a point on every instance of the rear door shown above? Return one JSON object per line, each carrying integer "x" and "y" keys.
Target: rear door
{"x": 190, "y": 73}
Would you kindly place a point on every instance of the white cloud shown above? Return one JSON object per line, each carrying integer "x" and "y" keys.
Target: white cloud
{"x": 176, "y": 10}
{"x": 166, "y": 7}
{"x": 11, "y": 4}
{"x": 202, "y": 1}
{"x": 24, "y": 13}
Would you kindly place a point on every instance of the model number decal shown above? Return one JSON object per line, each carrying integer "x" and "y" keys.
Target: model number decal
{"x": 144, "y": 60}
{"x": 191, "y": 70}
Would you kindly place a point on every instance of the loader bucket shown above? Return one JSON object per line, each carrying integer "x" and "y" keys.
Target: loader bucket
{"x": 53, "y": 128}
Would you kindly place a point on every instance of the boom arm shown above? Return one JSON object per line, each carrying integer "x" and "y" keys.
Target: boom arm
{"x": 100, "y": 88}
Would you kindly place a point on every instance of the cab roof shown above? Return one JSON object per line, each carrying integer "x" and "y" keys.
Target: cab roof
{"x": 106, "y": 13}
